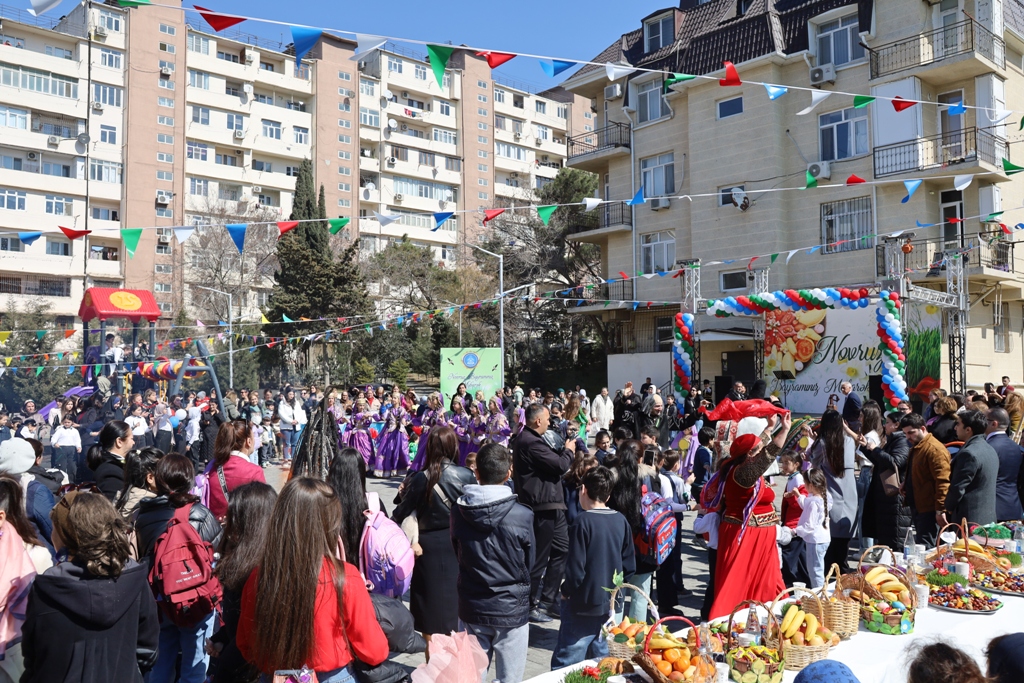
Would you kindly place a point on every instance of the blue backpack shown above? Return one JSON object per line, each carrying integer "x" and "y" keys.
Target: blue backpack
{"x": 655, "y": 543}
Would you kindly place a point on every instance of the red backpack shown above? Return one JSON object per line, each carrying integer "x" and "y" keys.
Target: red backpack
{"x": 182, "y": 575}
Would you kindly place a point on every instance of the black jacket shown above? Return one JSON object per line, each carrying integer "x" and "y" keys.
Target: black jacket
{"x": 110, "y": 475}
{"x": 86, "y": 629}
{"x": 537, "y": 472}
{"x": 623, "y": 409}
{"x": 888, "y": 518}
{"x": 600, "y": 543}
{"x": 1008, "y": 503}
{"x": 972, "y": 483}
{"x": 494, "y": 542}
{"x": 437, "y": 514}
{"x": 51, "y": 480}
{"x": 944, "y": 429}
{"x": 155, "y": 513}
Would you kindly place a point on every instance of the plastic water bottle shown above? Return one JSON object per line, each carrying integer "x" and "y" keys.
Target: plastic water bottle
{"x": 908, "y": 542}
{"x": 753, "y": 625}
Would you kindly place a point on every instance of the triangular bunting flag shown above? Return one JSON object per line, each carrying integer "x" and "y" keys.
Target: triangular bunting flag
{"x": 182, "y": 234}
{"x": 791, "y": 254}
{"x": 1005, "y": 229}
{"x": 1010, "y": 169}
{"x": 616, "y": 71}
{"x": 29, "y": 237}
{"x": 440, "y": 217}
{"x": 385, "y": 220}
{"x": 491, "y": 214}
{"x": 218, "y": 22}
{"x": 264, "y": 319}
{"x": 1021, "y": 124}
{"x": 591, "y": 203}
{"x": 677, "y": 78}
{"x": 237, "y": 232}
{"x": 303, "y": 40}
{"x": 750, "y": 263}
{"x": 133, "y": 3}
{"x": 130, "y": 237}
{"x": 962, "y": 182}
{"x": 997, "y": 116}
{"x": 638, "y": 198}
{"x": 338, "y": 223}
{"x": 366, "y": 42}
{"x": 545, "y": 212}
{"x": 911, "y": 186}
{"x": 958, "y": 109}
{"x": 817, "y": 97}
{"x": 732, "y": 77}
{"x": 40, "y": 334}
{"x": 855, "y": 179}
{"x": 900, "y": 104}
{"x": 553, "y": 67}
{"x": 40, "y": 7}
{"x": 861, "y": 101}
{"x": 495, "y": 59}
{"x": 775, "y": 91}
{"x": 991, "y": 218}
{"x": 73, "y": 234}
{"x": 68, "y": 333}
{"x": 774, "y": 256}
{"x": 286, "y": 226}
{"x": 810, "y": 180}
{"x": 286, "y": 319}
{"x": 439, "y": 56}
{"x": 39, "y": 370}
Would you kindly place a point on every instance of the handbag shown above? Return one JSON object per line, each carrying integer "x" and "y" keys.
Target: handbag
{"x": 303, "y": 675}
{"x": 891, "y": 484}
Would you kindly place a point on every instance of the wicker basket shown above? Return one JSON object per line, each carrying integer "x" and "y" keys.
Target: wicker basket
{"x": 797, "y": 656}
{"x": 888, "y": 624}
{"x": 644, "y": 661}
{"x": 978, "y": 562}
{"x": 837, "y": 612}
{"x": 737, "y": 666}
{"x": 617, "y": 649}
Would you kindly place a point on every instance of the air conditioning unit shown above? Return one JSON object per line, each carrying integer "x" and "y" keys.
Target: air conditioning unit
{"x": 399, "y": 197}
{"x": 826, "y": 73}
{"x": 250, "y": 56}
{"x": 100, "y": 32}
{"x": 660, "y": 203}
{"x": 513, "y": 175}
{"x": 32, "y": 156}
{"x": 613, "y": 91}
{"x": 53, "y": 140}
{"x": 239, "y": 134}
{"x": 162, "y": 198}
{"x": 538, "y": 141}
{"x": 362, "y": 65}
{"x": 247, "y": 88}
{"x": 163, "y": 239}
{"x": 166, "y": 71}
{"x": 392, "y": 161}
{"x": 239, "y": 152}
{"x": 403, "y": 127}
{"x": 518, "y": 136}
{"x": 820, "y": 169}
{"x": 544, "y": 157}
{"x": 256, "y": 189}
{"x": 405, "y": 93}
{"x": 97, "y": 106}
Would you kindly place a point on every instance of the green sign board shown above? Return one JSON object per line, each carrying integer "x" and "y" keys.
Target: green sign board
{"x": 477, "y": 368}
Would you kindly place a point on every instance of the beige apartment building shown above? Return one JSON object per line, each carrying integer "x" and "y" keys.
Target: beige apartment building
{"x": 699, "y": 138}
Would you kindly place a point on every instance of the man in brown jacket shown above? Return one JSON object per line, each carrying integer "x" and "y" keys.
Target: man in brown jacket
{"x": 929, "y": 479}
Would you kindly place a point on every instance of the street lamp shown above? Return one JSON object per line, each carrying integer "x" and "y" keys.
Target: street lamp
{"x": 501, "y": 303}
{"x": 231, "y": 334}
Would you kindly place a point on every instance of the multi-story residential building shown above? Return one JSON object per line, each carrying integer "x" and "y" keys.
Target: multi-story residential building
{"x": 702, "y": 140}
{"x": 61, "y": 164}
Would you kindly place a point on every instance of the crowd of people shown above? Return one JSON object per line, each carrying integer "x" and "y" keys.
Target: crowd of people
{"x": 506, "y": 516}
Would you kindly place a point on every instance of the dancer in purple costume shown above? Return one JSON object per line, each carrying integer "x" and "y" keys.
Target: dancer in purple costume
{"x": 460, "y": 422}
{"x": 393, "y": 442}
{"x": 359, "y": 431}
{"x": 498, "y": 430}
{"x": 433, "y": 417}
{"x": 477, "y": 428}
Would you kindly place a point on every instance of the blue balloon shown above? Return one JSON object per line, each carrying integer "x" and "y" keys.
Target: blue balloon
{"x": 174, "y": 422}
{"x": 884, "y": 294}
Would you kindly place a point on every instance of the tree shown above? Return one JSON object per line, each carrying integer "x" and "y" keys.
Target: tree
{"x": 363, "y": 372}
{"x": 398, "y": 372}
{"x": 18, "y": 386}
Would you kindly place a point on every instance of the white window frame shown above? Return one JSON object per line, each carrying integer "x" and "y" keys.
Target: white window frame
{"x": 57, "y": 205}
{"x": 369, "y": 117}
{"x": 301, "y": 135}
{"x": 846, "y": 23}
{"x": 110, "y": 58}
{"x": 199, "y": 187}
{"x": 859, "y": 222}
{"x": 718, "y": 107}
{"x": 657, "y": 174}
{"x": 201, "y": 115}
{"x": 644, "y": 92}
{"x": 657, "y": 251}
{"x": 721, "y": 281}
{"x": 852, "y": 119}
{"x": 660, "y": 23}
{"x": 199, "y": 79}
{"x": 271, "y": 129}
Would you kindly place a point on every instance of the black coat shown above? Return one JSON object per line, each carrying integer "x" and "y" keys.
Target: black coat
{"x": 110, "y": 475}
{"x": 434, "y": 515}
{"x": 85, "y": 629}
{"x": 494, "y": 542}
{"x": 972, "y": 483}
{"x": 888, "y": 518}
{"x": 155, "y": 513}
{"x": 944, "y": 429}
{"x": 537, "y": 472}
{"x": 1008, "y": 503}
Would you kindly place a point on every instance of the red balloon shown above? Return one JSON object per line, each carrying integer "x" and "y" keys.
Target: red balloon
{"x": 894, "y": 402}
{"x": 863, "y": 291}
{"x": 894, "y": 296}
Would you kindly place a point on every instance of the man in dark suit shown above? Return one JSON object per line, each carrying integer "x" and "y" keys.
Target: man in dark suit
{"x": 1008, "y": 504}
{"x": 851, "y": 406}
{"x": 975, "y": 469}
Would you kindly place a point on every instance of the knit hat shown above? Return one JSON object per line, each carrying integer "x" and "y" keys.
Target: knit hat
{"x": 16, "y": 456}
{"x": 1004, "y": 663}
{"x": 743, "y": 444}
{"x": 826, "y": 671}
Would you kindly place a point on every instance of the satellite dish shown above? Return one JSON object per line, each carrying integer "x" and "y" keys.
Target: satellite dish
{"x": 448, "y": 195}
{"x": 392, "y": 124}
{"x": 83, "y": 138}
{"x": 740, "y": 199}
{"x": 370, "y": 186}
{"x": 387, "y": 94}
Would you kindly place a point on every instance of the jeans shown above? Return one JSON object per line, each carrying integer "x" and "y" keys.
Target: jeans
{"x": 579, "y": 638}
{"x": 926, "y": 528}
{"x": 507, "y": 646}
{"x": 863, "y": 483}
{"x": 816, "y": 563}
{"x": 191, "y": 643}
{"x": 552, "y": 543}
{"x": 289, "y": 440}
{"x": 637, "y": 603}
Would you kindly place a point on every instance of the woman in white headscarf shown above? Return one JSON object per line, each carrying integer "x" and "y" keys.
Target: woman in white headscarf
{"x": 193, "y": 432}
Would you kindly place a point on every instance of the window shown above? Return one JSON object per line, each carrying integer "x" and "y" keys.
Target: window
{"x": 57, "y": 247}
{"x": 165, "y": 175}
{"x": 345, "y": 139}
{"x": 411, "y": 187}
{"x": 344, "y": 75}
{"x": 562, "y": 111}
{"x": 420, "y": 72}
{"x": 732, "y": 281}
{"x": 236, "y": 122}
{"x": 452, "y": 164}
{"x": 106, "y": 94}
{"x": 482, "y": 167}
{"x": 169, "y": 30}
{"x": 500, "y": 122}
{"x": 344, "y": 187}
{"x": 481, "y": 98}
{"x": 499, "y": 96}
{"x": 651, "y": 104}
{"x": 199, "y": 186}
{"x": 165, "y": 101}
{"x": 267, "y": 66}
{"x": 59, "y": 206}
{"x": 843, "y": 134}
{"x": 108, "y": 134}
{"x": 38, "y": 81}
{"x": 664, "y": 333}
{"x": 482, "y": 139}
{"x": 660, "y": 32}
{"x": 482, "y": 195}
{"x": 480, "y": 111}
{"x": 504, "y": 149}
{"x": 13, "y": 163}
{"x": 344, "y": 106}
{"x": 162, "y": 287}
{"x": 199, "y": 79}
{"x": 165, "y": 157}
{"x": 658, "y": 251}
{"x": 196, "y": 150}
{"x": 197, "y": 43}
{"x": 167, "y": 47}
{"x": 165, "y": 120}
{"x": 104, "y": 171}
{"x": 725, "y": 194}
{"x": 271, "y": 129}
{"x": 265, "y": 200}
{"x": 301, "y": 135}
{"x": 367, "y": 87}
{"x": 394, "y": 64}
{"x": 444, "y": 108}
{"x": 481, "y": 84}
{"x": 369, "y": 117}
{"x": 201, "y": 115}
{"x": 165, "y": 139}
{"x": 229, "y": 193}
{"x": 541, "y": 132}
{"x": 483, "y": 153}
{"x": 658, "y": 175}
{"x": 481, "y": 125}
{"x": 165, "y": 83}
{"x": 839, "y": 41}
{"x": 344, "y": 170}
{"x": 110, "y": 58}
{"x": 11, "y": 244}
{"x": 847, "y": 222}
{"x": 1001, "y": 330}
{"x": 110, "y": 20}
{"x": 260, "y": 165}
{"x": 232, "y": 89}
{"x": 484, "y": 182}
{"x": 228, "y": 56}
{"x": 164, "y": 306}
{"x": 165, "y": 64}
{"x": 14, "y": 118}
{"x": 226, "y": 159}
{"x": 54, "y": 169}
{"x": 164, "y": 268}
{"x": 346, "y": 92}
{"x": 730, "y": 107}
{"x": 343, "y": 123}
{"x": 104, "y": 214}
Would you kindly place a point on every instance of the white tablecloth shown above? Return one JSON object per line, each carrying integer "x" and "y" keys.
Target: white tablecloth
{"x": 877, "y": 658}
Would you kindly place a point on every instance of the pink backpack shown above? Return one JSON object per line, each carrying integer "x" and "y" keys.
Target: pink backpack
{"x": 385, "y": 557}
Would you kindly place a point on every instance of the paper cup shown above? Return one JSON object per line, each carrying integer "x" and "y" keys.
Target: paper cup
{"x": 922, "y": 595}
{"x": 963, "y": 569}
{"x": 723, "y": 672}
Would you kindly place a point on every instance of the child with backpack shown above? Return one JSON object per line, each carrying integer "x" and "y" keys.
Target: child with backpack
{"x": 600, "y": 545}
{"x": 676, "y": 491}
{"x": 495, "y": 546}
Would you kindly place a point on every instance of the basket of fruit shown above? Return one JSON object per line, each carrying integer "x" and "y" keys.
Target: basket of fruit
{"x": 895, "y": 612}
{"x": 803, "y": 638}
{"x": 666, "y": 659}
{"x": 837, "y": 612}
{"x": 624, "y": 637}
{"x": 964, "y": 549}
{"x": 754, "y": 663}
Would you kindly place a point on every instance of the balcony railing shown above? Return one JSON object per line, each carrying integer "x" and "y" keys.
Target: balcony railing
{"x": 967, "y": 145}
{"x": 933, "y": 46}
{"x": 615, "y": 291}
{"x": 986, "y": 250}
{"x": 611, "y": 136}
{"x": 603, "y": 216}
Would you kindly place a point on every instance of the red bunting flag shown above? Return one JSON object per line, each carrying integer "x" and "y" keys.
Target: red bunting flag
{"x": 855, "y": 179}
{"x": 623, "y": 275}
{"x": 750, "y": 264}
{"x": 495, "y": 59}
{"x": 74, "y": 234}
{"x": 899, "y": 104}
{"x": 955, "y": 220}
{"x": 285, "y": 226}
{"x": 732, "y": 77}
{"x": 68, "y": 333}
{"x": 1005, "y": 229}
{"x": 491, "y": 214}
{"x": 218, "y": 22}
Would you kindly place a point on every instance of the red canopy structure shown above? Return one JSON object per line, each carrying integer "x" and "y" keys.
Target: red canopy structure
{"x": 104, "y": 303}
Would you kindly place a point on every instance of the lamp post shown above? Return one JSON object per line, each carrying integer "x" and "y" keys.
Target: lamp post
{"x": 231, "y": 335}
{"x": 501, "y": 303}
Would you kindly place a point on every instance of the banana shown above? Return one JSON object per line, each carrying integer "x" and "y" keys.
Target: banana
{"x": 812, "y": 626}
{"x": 811, "y": 334}
{"x": 890, "y": 596}
{"x": 663, "y": 644}
{"x": 891, "y": 587}
{"x": 794, "y": 625}
{"x": 883, "y": 578}
{"x": 810, "y": 318}
{"x": 788, "y": 619}
{"x": 874, "y": 573}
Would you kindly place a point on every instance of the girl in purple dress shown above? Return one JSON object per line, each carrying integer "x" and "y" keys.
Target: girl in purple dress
{"x": 393, "y": 442}
{"x": 477, "y": 428}
{"x": 432, "y": 417}
{"x": 359, "y": 431}
{"x": 460, "y": 422}
{"x": 497, "y": 425}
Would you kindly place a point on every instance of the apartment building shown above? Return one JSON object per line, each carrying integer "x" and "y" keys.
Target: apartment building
{"x": 61, "y": 164}
{"x": 699, "y": 138}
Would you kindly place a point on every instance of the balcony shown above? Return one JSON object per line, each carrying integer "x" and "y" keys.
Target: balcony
{"x": 989, "y": 258}
{"x": 957, "y": 46}
{"x": 968, "y": 150}
{"x": 591, "y": 150}
{"x": 591, "y": 226}
{"x": 592, "y": 300}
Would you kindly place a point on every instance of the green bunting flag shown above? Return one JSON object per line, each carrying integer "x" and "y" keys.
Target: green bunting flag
{"x": 774, "y": 256}
{"x": 545, "y": 212}
{"x": 1021, "y": 123}
{"x": 439, "y": 56}
{"x": 133, "y": 3}
{"x": 861, "y": 101}
{"x": 40, "y": 334}
{"x": 993, "y": 216}
{"x": 677, "y": 78}
{"x": 131, "y": 236}
{"x": 337, "y": 224}
{"x": 39, "y": 370}
{"x": 1010, "y": 169}
{"x": 811, "y": 181}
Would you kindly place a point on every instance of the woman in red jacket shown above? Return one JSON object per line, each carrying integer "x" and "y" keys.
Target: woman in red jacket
{"x": 290, "y": 621}
{"x": 235, "y": 443}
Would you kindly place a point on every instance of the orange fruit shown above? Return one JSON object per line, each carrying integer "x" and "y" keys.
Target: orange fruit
{"x": 676, "y": 676}
{"x": 671, "y": 655}
{"x": 681, "y": 665}
{"x": 616, "y": 631}
{"x": 656, "y": 656}
{"x": 664, "y": 667}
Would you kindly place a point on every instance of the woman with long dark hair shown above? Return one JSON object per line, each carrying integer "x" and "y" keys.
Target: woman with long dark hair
{"x": 347, "y": 476}
{"x": 835, "y": 452}
{"x": 245, "y": 531}
{"x": 231, "y": 466}
{"x": 139, "y": 479}
{"x": 431, "y": 493}
{"x": 302, "y": 606}
{"x": 887, "y": 518}
{"x": 106, "y": 458}
{"x": 625, "y": 498}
